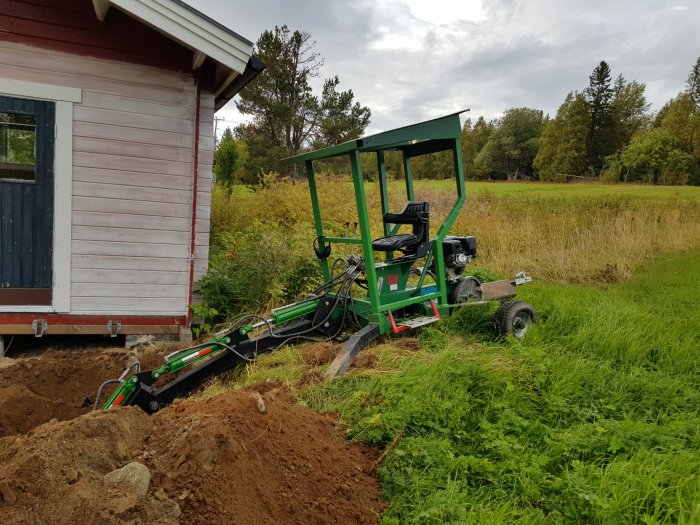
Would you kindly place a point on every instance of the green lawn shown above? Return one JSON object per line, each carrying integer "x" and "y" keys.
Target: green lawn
{"x": 594, "y": 418}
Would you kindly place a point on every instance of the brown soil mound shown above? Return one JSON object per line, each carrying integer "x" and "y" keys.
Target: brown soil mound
{"x": 215, "y": 461}
{"x": 231, "y": 464}
{"x": 57, "y": 385}
{"x": 365, "y": 360}
{"x": 309, "y": 378}
{"x": 54, "y": 473}
{"x": 320, "y": 353}
{"x": 406, "y": 343}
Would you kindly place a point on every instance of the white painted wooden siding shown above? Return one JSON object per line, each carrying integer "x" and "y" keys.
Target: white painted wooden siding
{"x": 204, "y": 183}
{"x": 132, "y": 179}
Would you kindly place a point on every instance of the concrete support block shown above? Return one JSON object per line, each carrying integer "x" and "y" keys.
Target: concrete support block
{"x": 185, "y": 334}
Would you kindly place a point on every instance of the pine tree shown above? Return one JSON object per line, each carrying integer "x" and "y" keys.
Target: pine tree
{"x": 286, "y": 115}
{"x": 601, "y": 137}
{"x": 339, "y": 119}
{"x": 693, "y": 83}
{"x": 281, "y": 99}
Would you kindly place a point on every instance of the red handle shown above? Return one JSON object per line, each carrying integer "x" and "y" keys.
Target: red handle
{"x": 435, "y": 310}
{"x": 395, "y": 328}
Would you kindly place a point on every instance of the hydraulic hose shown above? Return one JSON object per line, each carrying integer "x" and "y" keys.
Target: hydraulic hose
{"x": 135, "y": 365}
{"x": 349, "y": 277}
{"x": 99, "y": 390}
{"x": 344, "y": 282}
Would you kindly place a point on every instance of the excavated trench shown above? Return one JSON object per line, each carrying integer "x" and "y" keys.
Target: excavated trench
{"x": 213, "y": 461}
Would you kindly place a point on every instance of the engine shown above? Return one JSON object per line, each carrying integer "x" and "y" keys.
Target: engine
{"x": 458, "y": 252}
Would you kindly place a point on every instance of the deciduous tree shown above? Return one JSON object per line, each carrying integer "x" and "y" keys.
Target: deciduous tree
{"x": 473, "y": 140}
{"x": 656, "y": 157}
{"x": 226, "y": 159}
{"x": 564, "y": 142}
{"x": 630, "y": 110}
{"x": 512, "y": 146}
{"x": 681, "y": 117}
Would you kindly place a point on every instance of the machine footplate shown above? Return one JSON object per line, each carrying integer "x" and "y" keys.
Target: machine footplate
{"x": 418, "y": 321}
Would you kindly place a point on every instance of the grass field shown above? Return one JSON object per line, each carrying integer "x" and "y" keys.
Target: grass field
{"x": 593, "y": 418}
{"x": 575, "y": 191}
{"x": 585, "y": 234}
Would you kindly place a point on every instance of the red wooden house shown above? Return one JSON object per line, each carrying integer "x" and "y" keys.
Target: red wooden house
{"x": 106, "y": 144}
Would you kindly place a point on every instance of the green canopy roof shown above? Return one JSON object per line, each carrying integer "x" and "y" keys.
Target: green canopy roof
{"x": 416, "y": 139}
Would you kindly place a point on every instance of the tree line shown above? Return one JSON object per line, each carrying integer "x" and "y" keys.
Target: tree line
{"x": 605, "y": 131}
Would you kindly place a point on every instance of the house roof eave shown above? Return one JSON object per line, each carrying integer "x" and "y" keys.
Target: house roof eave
{"x": 191, "y": 28}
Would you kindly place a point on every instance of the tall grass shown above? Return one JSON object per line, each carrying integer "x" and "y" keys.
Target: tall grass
{"x": 594, "y": 418}
{"x": 597, "y": 238}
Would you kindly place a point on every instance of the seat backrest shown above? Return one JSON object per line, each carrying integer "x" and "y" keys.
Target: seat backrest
{"x": 416, "y": 213}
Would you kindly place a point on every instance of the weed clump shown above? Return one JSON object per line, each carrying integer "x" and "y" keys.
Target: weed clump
{"x": 259, "y": 266}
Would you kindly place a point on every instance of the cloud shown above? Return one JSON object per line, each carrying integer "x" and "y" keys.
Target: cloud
{"x": 410, "y": 60}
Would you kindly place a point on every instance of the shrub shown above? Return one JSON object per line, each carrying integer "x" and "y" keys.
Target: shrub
{"x": 260, "y": 266}
{"x": 612, "y": 174}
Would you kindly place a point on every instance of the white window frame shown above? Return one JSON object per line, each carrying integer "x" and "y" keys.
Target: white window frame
{"x": 64, "y": 97}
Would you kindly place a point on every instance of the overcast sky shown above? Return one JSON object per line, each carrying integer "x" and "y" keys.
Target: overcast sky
{"x": 410, "y": 60}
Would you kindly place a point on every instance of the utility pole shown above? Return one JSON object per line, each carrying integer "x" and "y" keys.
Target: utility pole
{"x": 216, "y": 129}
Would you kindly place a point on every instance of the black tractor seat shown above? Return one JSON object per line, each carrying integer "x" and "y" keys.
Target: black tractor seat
{"x": 394, "y": 242}
{"x": 417, "y": 214}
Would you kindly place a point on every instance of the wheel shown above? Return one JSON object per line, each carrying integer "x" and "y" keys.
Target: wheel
{"x": 515, "y": 318}
{"x": 467, "y": 290}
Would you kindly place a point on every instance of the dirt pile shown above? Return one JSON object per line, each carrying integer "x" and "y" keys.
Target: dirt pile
{"x": 228, "y": 463}
{"x": 365, "y": 360}
{"x": 54, "y": 474}
{"x": 320, "y": 353}
{"x": 211, "y": 461}
{"x": 57, "y": 385}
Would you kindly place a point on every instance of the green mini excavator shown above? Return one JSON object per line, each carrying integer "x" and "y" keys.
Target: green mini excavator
{"x": 400, "y": 281}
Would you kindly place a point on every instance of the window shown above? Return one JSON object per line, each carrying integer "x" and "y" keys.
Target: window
{"x": 17, "y": 147}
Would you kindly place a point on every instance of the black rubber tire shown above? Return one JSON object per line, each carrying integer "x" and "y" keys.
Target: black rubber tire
{"x": 515, "y": 318}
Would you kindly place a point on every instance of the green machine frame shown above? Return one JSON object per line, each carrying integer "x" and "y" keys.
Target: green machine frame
{"x": 391, "y": 303}
{"x": 440, "y": 134}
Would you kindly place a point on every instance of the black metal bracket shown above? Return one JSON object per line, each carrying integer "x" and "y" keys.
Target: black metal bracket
{"x": 351, "y": 348}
